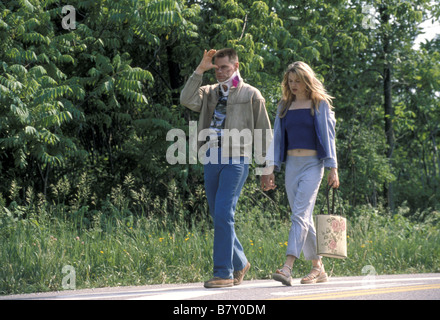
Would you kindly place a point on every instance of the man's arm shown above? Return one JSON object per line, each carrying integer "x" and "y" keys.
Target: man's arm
{"x": 191, "y": 96}
{"x": 262, "y": 124}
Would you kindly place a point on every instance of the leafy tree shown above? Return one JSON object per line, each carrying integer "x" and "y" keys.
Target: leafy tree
{"x": 93, "y": 104}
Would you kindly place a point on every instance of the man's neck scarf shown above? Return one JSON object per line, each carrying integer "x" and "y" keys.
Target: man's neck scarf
{"x": 231, "y": 82}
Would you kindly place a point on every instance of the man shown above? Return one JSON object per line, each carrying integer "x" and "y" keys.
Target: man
{"x": 227, "y": 109}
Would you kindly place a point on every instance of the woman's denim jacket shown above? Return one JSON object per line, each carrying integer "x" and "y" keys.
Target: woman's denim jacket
{"x": 325, "y": 123}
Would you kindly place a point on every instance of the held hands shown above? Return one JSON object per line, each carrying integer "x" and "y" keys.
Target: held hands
{"x": 268, "y": 182}
{"x": 206, "y": 63}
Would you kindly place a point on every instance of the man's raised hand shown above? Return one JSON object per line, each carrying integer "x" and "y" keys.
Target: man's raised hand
{"x": 206, "y": 63}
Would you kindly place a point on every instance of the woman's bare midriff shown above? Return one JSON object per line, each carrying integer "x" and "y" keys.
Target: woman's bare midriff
{"x": 302, "y": 152}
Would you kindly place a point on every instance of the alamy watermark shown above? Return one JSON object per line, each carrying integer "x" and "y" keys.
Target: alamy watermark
{"x": 234, "y": 145}
{"x": 69, "y": 21}
{"x": 369, "y": 20}
{"x": 369, "y": 281}
{"x": 69, "y": 280}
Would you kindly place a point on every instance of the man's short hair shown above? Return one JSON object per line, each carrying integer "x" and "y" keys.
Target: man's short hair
{"x": 227, "y": 52}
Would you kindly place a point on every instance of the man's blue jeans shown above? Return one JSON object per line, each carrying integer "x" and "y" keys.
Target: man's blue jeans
{"x": 223, "y": 184}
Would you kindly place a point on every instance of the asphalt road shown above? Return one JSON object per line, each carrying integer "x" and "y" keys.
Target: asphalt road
{"x": 382, "y": 287}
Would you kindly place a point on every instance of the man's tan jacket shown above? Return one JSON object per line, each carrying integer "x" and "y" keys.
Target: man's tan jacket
{"x": 247, "y": 121}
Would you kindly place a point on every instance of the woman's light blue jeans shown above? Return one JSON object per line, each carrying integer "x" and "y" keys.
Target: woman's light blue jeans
{"x": 303, "y": 178}
{"x": 223, "y": 184}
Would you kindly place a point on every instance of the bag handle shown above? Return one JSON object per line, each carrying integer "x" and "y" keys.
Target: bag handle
{"x": 333, "y": 198}
{"x": 328, "y": 201}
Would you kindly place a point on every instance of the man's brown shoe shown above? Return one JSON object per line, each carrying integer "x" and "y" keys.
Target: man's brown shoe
{"x": 239, "y": 275}
{"x": 217, "y": 282}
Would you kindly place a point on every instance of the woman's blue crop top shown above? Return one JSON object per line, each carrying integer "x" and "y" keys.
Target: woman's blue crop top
{"x": 300, "y": 130}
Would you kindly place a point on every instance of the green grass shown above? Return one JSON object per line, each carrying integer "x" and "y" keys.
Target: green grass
{"x": 119, "y": 250}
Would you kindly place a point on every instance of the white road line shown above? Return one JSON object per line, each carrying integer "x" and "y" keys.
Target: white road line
{"x": 198, "y": 291}
{"x": 115, "y": 295}
{"x": 273, "y": 287}
{"x": 375, "y": 283}
{"x": 379, "y": 279}
{"x": 339, "y": 289}
{"x": 181, "y": 295}
{"x": 188, "y": 293}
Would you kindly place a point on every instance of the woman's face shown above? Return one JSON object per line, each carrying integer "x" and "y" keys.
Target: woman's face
{"x": 296, "y": 86}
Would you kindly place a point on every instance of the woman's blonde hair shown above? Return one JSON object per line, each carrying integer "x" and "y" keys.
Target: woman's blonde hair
{"x": 314, "y": 88}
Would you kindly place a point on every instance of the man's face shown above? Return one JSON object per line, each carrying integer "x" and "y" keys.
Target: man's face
{"x": 224, "y": 69}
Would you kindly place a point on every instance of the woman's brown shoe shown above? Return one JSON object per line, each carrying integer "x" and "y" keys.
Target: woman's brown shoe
{"x": 283, "y": 277}
{"x": 316, "y": 275}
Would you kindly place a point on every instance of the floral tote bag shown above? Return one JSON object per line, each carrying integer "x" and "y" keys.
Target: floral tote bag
{"x": 331, "y": 231}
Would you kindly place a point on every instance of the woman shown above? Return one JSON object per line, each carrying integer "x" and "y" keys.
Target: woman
{"x": 304, "y": 138}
